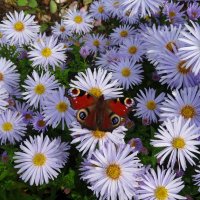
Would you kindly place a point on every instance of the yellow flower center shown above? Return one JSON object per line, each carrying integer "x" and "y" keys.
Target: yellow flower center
{"x": 19, "y": 26}
{"x": 100, "y": 9}
{"x": 41, "y": 123}
{"x": 161, "y": 193}
{"x": 1, "y": 77}
{"x": 95, "y": 91}
{"x": 39, "y": 89}
{"x": 39, "y": 159}
{"x": 132, "y": 50}
{"x": 182, "y": 69}
{"x": 124, "y": 33}
{"x": 151, "y": 105}
{"x": 1, "y": 35}
{"x": 62, "y": 29}
{"x": 113, "y": 171}
{"x": 98, "y": 134}
{"x": 7, "y": 126}
{"x": 170, "y": 46}
{"x": 96, "y": 43}
{"x": 62, "y": 106}
{"x": 172, "y": 14}
{"x": 46, "y": 52}
{"x": 78, "y": 19}
{"x": 178, "y": 143}
{"x": 126, "y": 72}
{"x": 188, "y": 111}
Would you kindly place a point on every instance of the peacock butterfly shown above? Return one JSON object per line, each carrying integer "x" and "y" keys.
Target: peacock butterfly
{"x": 97, "y": 113}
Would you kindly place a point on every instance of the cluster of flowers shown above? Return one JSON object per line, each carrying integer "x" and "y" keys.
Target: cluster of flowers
{"x": 111, "y": 167}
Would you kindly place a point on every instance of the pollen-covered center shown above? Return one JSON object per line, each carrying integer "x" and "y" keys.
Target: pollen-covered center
{"x": 95, "y": 91}
{"x": 151, "y": 105}
{"x": 39, "y": 159}
{"x": 113, "y": 171}
{"x": 1, "y": 77}
{"x": 161, "y": 193}
{"x": 78, "y": 19}
{"x": 188, "y": 111}
{"x": 182, "y": 67}
{"x": 98, "y": 134}
{"x": 41, "y": 123}
{"x": 19, "y": 26}
{"x": 126, "y": 72}
{"x": 100, "y": 9}
{"x": 28, "y": 116}
{"x": 7, "y": 126}
{"x": 132, "y": 49}
{"x": 172, "y": 14}
{"x": 39, "y": 89}
{"x": 178, "y": 143}
{"x": 62, "y": 106}
{"x": 46, "y": 52}
{"x": 124, "y": 33}
{"x": 96, "y": 43}
{"x": 170, "y": 46}
{"x": 62, "y": 29}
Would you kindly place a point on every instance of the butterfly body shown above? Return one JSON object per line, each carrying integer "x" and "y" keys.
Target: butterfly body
{"x": 97, "y": 113}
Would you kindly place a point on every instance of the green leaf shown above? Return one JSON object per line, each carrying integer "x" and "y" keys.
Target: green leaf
{"x": 53, "y": 7}
{"x": 22, "y": 2}
{"x": 86, "y": 2}
{"x": 33, "y": 3}
{"x": 43, "y": 27}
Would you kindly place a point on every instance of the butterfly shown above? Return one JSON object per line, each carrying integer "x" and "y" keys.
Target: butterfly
{"x": 97, "y": 113}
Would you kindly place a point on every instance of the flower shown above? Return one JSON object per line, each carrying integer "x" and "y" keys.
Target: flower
{"x": 113, "y": 172}
{"x": 12, "y": 128}
{"x": 19, "y": 28}
{"x": 148, "y": 105}
{"x": 90, "y": 140}
{"x": 136, "y": 144}
{"x": 127, "y": 72}
{"x": 190, "y": 51}
{"x": 84, "y": 51}
{"x": 161, "y": 185}
{"x": 9, "y": 76}
{"x": 38, "y": 122}
{"x": 78, "y": 21}
{"x": 47, "y": 53}
{"x": 3, "y": 98}
{"x": 145, "y": 7}
{"x": 97, "y": 83}
{"x": 40, "y": 159}
{"x": 112, "y": 7}
{"x": 193, "y": 11}
{"x": 179, "y": 141}
{"x": 39, "y": 87}
{"x": 196, "y": 177}
{"x": 56, "y": 109}
{"x": 185, "y": 103}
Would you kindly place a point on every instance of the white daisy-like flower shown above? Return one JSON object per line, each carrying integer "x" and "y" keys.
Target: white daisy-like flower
{"x": 97, "y": 83}
{"x": 161, "y": 185}
{"x": 144, "y": 7}
{"x": 98, "y": 10}
{"x": 3, "y": 99}
{"x": 47, "y": 53}
{"x": 90, "y": 140}
{"x": 127, "y": 72}
{"x": 133, "y": 48}
{"x": 19, "y": 28}
{"x": 95, "y": 43}
{"x": 185, "y": 103}
{"x": 78, "y": 21}
{"x": 122, "y": 33}
{"x": 173, "y": 71}
{"x": 40, "y": 159}
{"x": 56, "y": 109}
{"x": 179, "y": 142}
{"x": 196, "y": 177}
{"x": 61, "y": 30}
{"x": 9, "y": 76}
{"x": 148, "y": 105}
{"x": 190, "y": 50}
{"x": 39, "y": 87}
{"x": 113, "y": 172}
{"x": 12, "y": 128}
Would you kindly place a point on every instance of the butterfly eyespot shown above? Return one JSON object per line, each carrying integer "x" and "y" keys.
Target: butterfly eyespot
{"x": 74, "y": 92}
{"x": 128, "y": 102}
{"x": 115, "y": 119}
{"x": 82, "y": 114}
